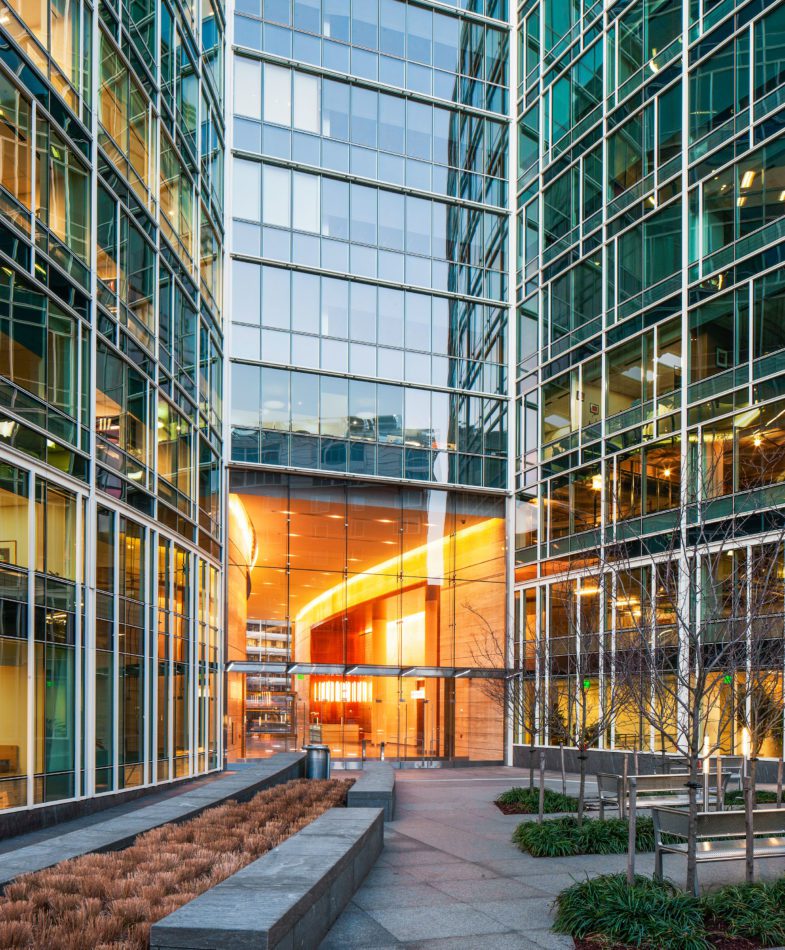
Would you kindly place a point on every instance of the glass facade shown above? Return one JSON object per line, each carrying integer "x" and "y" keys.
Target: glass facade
{"x": 378, "y": 594}
{"x": 369, "y": 282}
{"x": 503, "y": 290}
{"x": 649, "y": 327}
{"x": 111, "y": 229}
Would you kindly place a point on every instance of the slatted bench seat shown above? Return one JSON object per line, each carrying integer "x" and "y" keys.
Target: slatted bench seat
{"x": 720, "y": 835}
{"x": 651, "y": 790}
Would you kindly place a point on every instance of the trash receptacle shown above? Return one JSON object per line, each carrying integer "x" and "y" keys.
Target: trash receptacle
{"x": 317, "y": 761}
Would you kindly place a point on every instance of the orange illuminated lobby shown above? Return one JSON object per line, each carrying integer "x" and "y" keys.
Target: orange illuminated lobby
{"x": 367, "y": 617}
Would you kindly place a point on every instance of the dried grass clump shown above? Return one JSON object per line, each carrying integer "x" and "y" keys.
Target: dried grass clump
{"x": 110, "y": 901}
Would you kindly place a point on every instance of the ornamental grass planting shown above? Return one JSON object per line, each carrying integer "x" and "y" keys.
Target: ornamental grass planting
{"x": 109, "y": 901}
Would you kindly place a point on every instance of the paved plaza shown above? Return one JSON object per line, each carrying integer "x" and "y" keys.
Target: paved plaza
{"x": 449, "y": 875}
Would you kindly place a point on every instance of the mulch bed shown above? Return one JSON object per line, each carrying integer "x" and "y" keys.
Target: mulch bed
{"x": 717, "y": 939}
{"x": 512, "y": 809}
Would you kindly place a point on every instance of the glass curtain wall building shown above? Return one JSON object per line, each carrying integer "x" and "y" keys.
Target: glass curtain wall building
{"x": 111, "y": 228}
{"x": 650, "y": 203}
{"x": 368, "y": 420}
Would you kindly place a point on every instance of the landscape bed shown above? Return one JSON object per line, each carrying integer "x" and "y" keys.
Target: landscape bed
{"x": 111, "y": 900}
{"x": 604, "y": 913}
{"x": 526, "y": 801}
{"x": 564, "y": 837}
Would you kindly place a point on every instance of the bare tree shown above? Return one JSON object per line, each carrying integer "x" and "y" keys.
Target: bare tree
{"x": 690, "y": 598}
{"x": 518, "y": 698}
{"x": 758, "y": 679}
{"x": 579, "y": 648}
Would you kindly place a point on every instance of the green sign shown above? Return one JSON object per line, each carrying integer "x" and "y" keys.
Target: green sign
{"x": 586, "y": 684}
{"x": 727, "y": 679}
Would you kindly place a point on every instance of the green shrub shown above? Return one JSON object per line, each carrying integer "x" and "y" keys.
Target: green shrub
{"x": 753, "y": 911}
{"x": 654, "y": 914}
{"x": 651, "y": 915}
{"x": 560, "y": 837}
{"x": 527, "y": 801}
{"x": 735, "y": 799}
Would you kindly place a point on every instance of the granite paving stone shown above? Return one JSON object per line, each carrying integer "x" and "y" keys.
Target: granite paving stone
{"x": 440, "y": 920}
{"x": 449, "y": 838}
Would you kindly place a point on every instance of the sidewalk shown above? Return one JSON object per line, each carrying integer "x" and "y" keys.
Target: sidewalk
{"x": 449, "y": 875}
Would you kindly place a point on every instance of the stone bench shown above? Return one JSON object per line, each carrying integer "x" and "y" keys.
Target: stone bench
{"x": 375, "y": 788}
{"x": 290, "y": 897}
{"x": 120, "y": 830}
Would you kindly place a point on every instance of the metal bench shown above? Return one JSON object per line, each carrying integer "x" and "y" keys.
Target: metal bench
{"x": 651, "y": 790}
{"x": 720, "y": 835}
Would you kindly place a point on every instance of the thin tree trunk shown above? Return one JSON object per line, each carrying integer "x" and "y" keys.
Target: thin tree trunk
{"x": 582, "y": 783}
{"x": 692, "y": 829}
{"x": 779, "y": 783}
{"x": 632, "y": 838}
{"x": 625, "y": 770}
{"x": 749, "y": 808}
{"x": 563, "y": 773}
{"x": 531, "y": 763}
{"x": 541, "y": 805}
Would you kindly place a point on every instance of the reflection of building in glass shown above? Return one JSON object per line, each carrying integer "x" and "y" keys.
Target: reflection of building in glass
{"x": 368, "y": 367}
{"x": 111, "y": 208}
{"x": 649, "y": 370}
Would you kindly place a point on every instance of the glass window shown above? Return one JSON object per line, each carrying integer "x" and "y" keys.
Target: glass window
{"x": 364, "y": 124}
{"x": 365, "y": 25}
{"x": 246, "y": 398}
{"x": 307, "y": 15}
{"x": 63, "y": 197}
{"x": 390, "y": 405}
{"x": 769, "y": 51}
{"x": 391, "y": 220}
{"x": 275, "y": 399}
{"x": 335, "y": 109}
{"x": 769, "y": 303}
{"x": 336, "y": 19}
{"x": 306, "y": 307}
{"x": 364, "y": 219}
{"x": 363, "y": 313}
{"x": 335, "y": 208}
{"x": 14, "y": 517}
{"x": 335, "y": 307}
{"x": 305, "y": 403}
{"x": 15, "y": 151}
{"x": 719, "y": 88}
{"x": 392, "y": 32}
{"x": 275, "y": 297}
{"x": 276, "y": 198}
{"x": 248, "y": 88}
{"x": 392, "y": 122}
{"x": 334, "y": 406}
{"x": 419, "y": 130}
{"x": 718, "y": 336}
{"x": 277, "y": 94}
{"x": 55, "y": 531}
{"x": 418, "y": 225}
{"x": 246, "y": 292}
{"x": 362, "y": 410}
{"x": 306, "y": 202}
{"x": 391, "y": 310}
{"x": 419, "y": 27}
{"x": 248, "y": 189}
{"x": 306, "y": 103}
